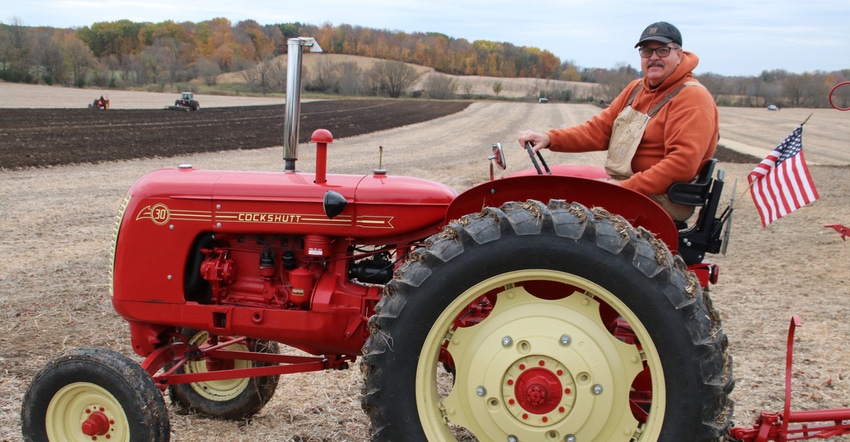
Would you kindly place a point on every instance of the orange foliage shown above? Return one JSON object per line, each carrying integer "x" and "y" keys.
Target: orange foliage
{"x": 220, "y": 40}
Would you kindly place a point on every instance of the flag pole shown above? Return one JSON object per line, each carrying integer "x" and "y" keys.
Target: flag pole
{"x": 807, "y": 119}
{"x": 747, "y": 189}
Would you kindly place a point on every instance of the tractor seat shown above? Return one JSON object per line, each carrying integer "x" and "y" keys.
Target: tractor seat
{"x": 704, "y": 236}
{"x": 693, "y": 193}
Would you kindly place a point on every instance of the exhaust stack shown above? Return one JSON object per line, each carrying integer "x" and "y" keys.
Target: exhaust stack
{"x": 293, "y": 97}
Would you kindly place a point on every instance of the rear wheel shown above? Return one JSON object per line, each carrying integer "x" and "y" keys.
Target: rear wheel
{"x": 95, "y": 394}
{"x": 233, "y": 399}
{"x": 545, "y": 323}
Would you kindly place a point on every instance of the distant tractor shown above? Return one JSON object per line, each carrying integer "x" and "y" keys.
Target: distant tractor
{"x": 187, "y": 101}
{"x": 100, "y": 103}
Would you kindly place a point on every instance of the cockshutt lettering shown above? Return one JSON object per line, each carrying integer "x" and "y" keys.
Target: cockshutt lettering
{"x": 271, "y": 218}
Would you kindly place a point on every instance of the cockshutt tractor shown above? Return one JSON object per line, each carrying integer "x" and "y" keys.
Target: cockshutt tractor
{"x": 547, "y": 305}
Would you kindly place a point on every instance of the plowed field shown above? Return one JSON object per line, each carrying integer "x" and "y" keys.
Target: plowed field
{"x": 50, "y": 137}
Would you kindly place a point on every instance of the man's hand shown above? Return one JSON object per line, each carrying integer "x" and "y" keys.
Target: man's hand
{"x": 538, "y": 140}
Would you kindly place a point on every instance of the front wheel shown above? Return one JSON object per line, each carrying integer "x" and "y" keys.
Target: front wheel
{"x": 233, "y": 399}
{"x": 545, "y": 323}
{"x": 93, "y": 393}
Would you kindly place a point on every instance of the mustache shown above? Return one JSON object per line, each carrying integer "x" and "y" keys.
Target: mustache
{"x": 654, "y": 64}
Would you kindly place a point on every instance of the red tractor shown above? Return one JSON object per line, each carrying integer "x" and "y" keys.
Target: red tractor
{"x": 100, "y": 103}
{"x": 546, "y": 305}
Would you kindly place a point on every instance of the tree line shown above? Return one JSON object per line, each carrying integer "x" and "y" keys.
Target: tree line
{"x": 123, "y": 54}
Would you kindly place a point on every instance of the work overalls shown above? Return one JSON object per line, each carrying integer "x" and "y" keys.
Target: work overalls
{"x": 626, "y": 135}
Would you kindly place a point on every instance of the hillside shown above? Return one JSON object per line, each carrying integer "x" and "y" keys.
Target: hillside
{"x": 477, "y": 85}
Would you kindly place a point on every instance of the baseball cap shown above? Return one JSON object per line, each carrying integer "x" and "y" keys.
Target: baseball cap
{"x": 660, "y": 31}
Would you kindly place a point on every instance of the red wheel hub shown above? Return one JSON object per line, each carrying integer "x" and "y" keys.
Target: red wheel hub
{"x": 97, "y": 424}
{"x": 538, "y": 390}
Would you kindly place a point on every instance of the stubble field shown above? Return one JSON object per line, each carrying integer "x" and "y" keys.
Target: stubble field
{"x": 57, "y": 224}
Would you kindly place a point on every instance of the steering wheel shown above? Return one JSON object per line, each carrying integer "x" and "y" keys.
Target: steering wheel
{"x": 534, "y": 160}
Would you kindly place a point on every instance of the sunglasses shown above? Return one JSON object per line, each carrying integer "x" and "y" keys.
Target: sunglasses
{"x": 662, "y": 51}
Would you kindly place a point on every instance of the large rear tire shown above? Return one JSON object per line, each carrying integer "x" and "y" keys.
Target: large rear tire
{"x": 545, "y": 323}
{"x": 93, "y": 393}
{"x": 233, "y": 399}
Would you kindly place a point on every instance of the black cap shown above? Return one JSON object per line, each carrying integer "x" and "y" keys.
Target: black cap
{"x": 660, "y": 31}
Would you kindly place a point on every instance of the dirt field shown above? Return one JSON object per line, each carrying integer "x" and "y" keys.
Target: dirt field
{"x": 50, "y": 137}
{"x": 58, "y": 222}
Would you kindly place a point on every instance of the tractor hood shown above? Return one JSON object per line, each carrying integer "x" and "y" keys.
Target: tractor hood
{"x": 272, "y": 202}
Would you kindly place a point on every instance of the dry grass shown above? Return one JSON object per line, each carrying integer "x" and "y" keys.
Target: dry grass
{"x": 57, "y": 228}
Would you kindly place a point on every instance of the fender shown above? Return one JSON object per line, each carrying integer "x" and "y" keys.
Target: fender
{"x": 635, "y": 207}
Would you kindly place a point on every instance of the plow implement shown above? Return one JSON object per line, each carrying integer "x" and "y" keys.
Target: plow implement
{"x": 791, "y": 425}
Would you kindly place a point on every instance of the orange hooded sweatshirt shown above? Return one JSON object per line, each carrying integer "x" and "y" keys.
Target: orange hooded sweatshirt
{"x": 678, "y": 140}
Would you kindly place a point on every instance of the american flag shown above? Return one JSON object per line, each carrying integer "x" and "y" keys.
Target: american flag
{"x": 781, "y": 183}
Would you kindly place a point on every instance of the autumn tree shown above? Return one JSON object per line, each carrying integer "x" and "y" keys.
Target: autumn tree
{"x": 119, "y": 38}
{"x": 569, "y": 71}
{"x": 124, "y": 53}
{"x": 255, "y": 43}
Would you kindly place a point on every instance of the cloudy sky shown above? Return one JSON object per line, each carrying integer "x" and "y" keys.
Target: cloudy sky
{"x": 731, "y": 37}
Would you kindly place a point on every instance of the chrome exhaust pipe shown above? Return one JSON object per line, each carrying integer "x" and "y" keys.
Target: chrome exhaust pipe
{"x": 294, "y": 48}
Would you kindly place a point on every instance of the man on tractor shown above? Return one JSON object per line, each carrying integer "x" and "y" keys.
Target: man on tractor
{"x": 658, "y": 131}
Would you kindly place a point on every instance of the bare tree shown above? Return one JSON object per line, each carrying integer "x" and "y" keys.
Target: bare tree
{"x": 615, "y": 80}
{"x": 467, "y": 87}
{"x": 154, "y": 61}
{"x": 134, "y": 70}
{"x": 207, "y": 70}
{"x": 267, "y": 76}
{"x": 18, "y": 52}
{"x": 79, "y": 57}
{"x": 841, "y": 95}
{"x": 326, "y": 78}
{"x": 393, "y": 77}
{"x": 712, "y": 82}
{"x": 440, "y": 87}
{"x": 49, "y": 58}
{"x": 793, "y": 88}
{"x": 350, "y": 79}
